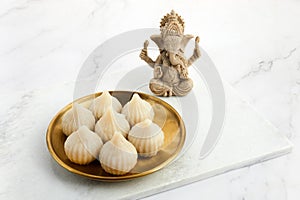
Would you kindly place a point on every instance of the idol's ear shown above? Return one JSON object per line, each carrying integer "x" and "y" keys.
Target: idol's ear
{"x": 185, "y": 40}
{"x": 158, "y": 41}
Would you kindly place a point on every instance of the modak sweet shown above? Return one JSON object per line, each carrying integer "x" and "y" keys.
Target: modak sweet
{"x": 118, "y": 156}
{"x": 137, "y": 110}
{"x": 104, "y": 101}
{"x": 147, "y": 137}
{"x": 76, "y": 117}
{"x": 110, "y": 123}
{"x": 83, "y": 146}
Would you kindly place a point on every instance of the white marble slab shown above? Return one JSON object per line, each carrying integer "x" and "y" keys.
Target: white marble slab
{"x": 27, "y": 171}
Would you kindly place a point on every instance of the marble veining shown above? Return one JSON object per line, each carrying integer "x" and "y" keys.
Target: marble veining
{"x": 12, "y": 114}
{"x": 38, "y": 100}
{"x": 264, "y": 66}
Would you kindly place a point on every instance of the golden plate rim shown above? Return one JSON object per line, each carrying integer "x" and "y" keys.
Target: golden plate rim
{"x": 126, "y": 176}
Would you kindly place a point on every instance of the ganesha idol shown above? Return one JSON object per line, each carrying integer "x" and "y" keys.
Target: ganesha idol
{"x": 171, "y": 66}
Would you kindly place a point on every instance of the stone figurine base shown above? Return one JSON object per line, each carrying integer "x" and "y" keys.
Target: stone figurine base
{"x": 29, "y": 170}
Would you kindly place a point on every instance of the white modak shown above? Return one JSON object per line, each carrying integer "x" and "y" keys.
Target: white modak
{"x": 137, "y": 110}
{"x": 76, "y": 117}
{"x": 111, "y": 122}
{"x": 118, "y": 156}
{"x": 103, "y": 102}
{"x": 109, "y": 143}
{"x": 147, "y": 138}
{"x": 83, "y": 146}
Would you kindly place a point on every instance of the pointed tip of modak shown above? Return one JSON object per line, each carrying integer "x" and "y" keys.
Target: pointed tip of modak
{"x": 108, "y": 114}
{"x": 145, "y": 123}
{"x": 83, "y": 128}
{"x": 135, "y": 97}
{"x": 105, "y": 93}
{"x": 107, "y": 97}
{"x": 75, "y": 107}
{"x": 116, "y": 137}
{"x": 119, "y": 141}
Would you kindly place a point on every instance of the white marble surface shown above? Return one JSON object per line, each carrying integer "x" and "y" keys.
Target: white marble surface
{"x": 255, "y": 46}
{"x": 30, "y": 171}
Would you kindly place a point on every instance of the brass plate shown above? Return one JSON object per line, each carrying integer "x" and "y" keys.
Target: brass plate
{"x": 165, "y": 116}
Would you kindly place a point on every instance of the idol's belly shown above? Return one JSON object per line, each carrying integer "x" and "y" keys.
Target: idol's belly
{"x": 170, "y": 75}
